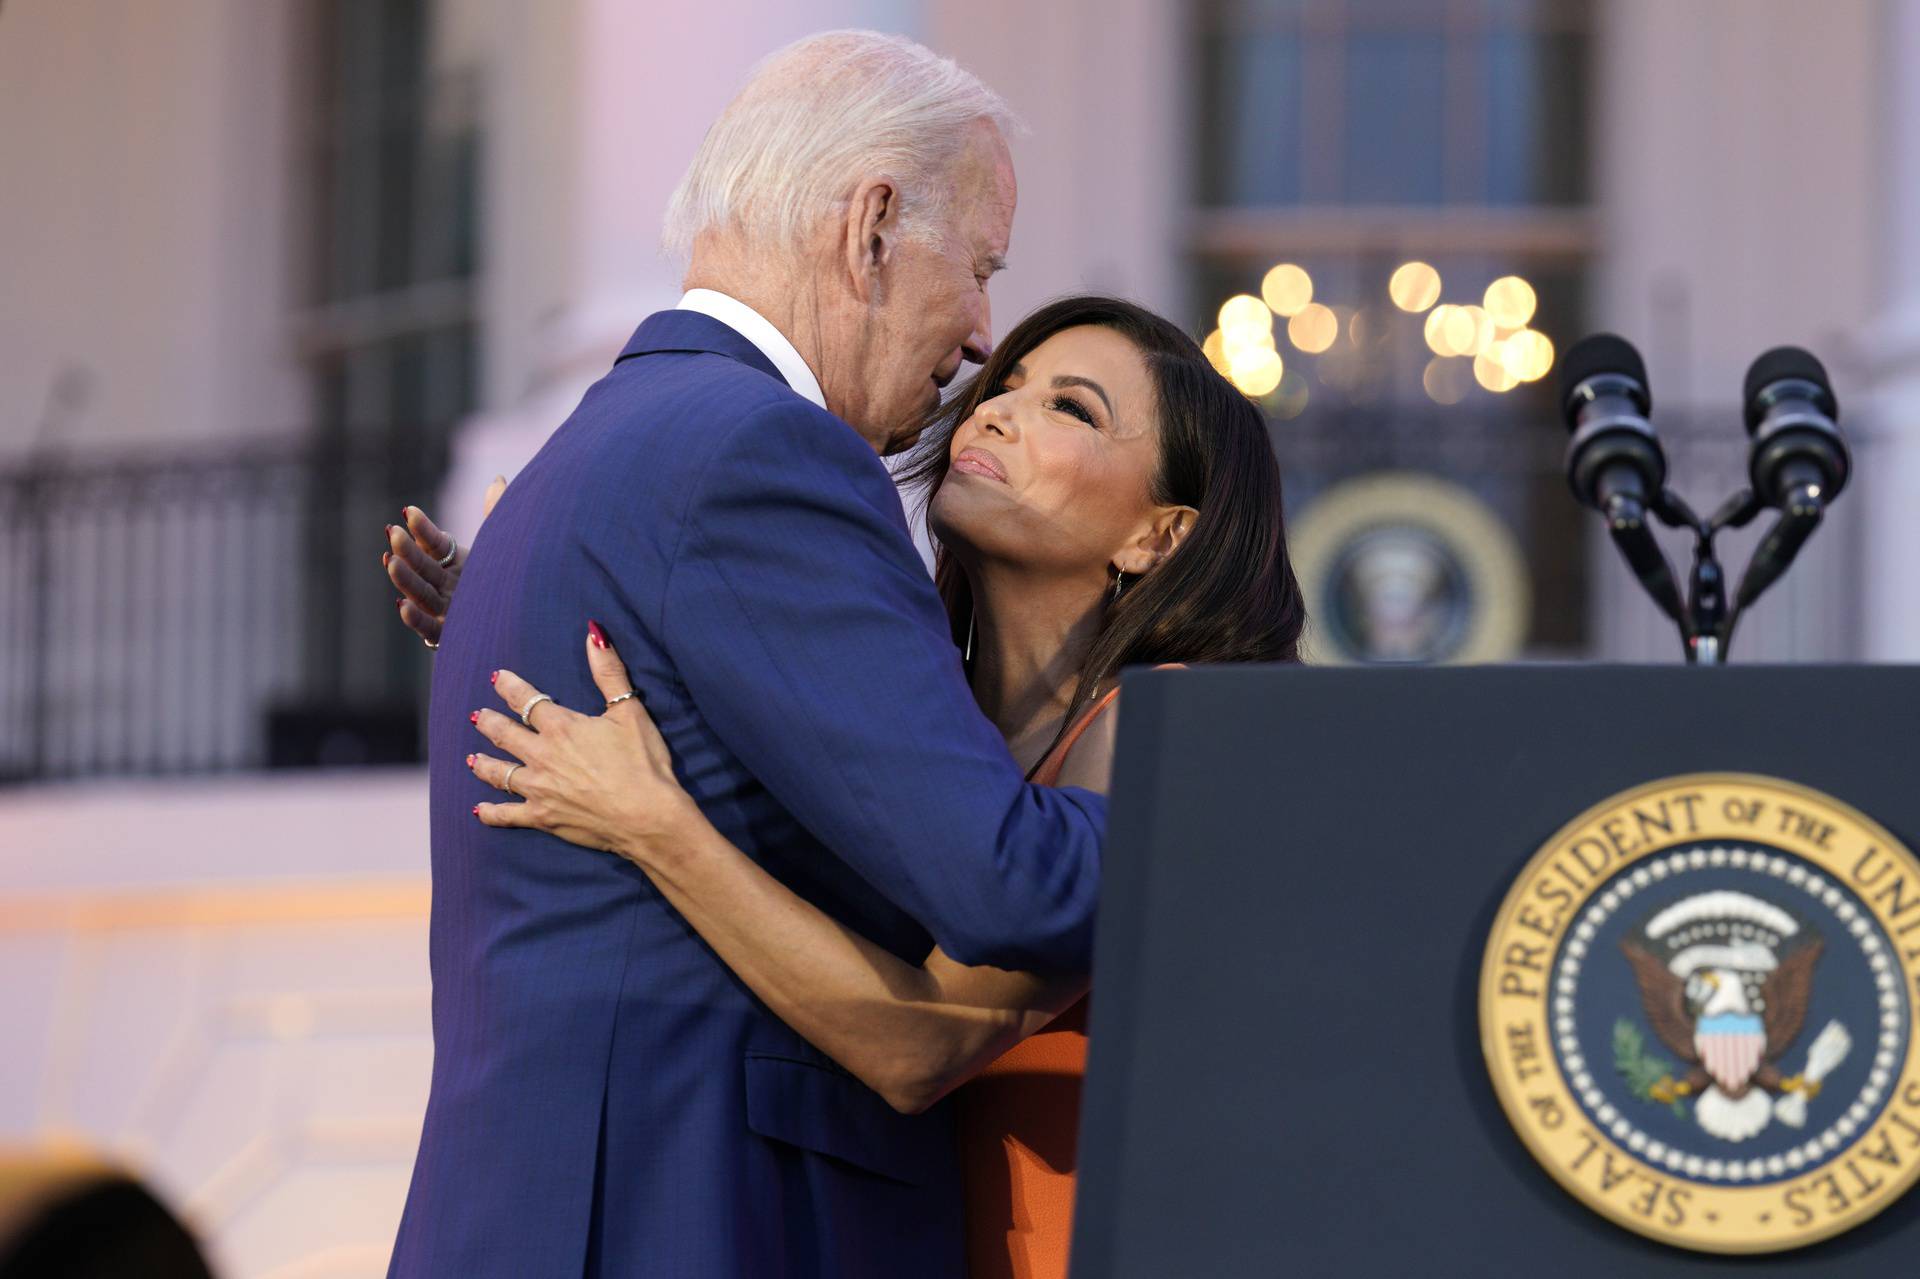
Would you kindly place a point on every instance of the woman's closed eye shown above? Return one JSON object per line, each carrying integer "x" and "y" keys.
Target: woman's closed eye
{"x": 1072, "y": 408}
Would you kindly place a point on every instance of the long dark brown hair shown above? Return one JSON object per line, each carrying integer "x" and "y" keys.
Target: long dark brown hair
{"x": 1227, "y": 593}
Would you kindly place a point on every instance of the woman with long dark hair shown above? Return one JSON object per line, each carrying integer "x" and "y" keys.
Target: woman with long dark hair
{"x": 1101, "y": 498}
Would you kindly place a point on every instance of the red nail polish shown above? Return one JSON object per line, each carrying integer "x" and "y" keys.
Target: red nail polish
{"x": 476, "y": 810}
{"x": 474, "y": 718}
{"x": 598, "y": 636}
{"x": 494, "y": 678}
{"x": 469, "y": 761}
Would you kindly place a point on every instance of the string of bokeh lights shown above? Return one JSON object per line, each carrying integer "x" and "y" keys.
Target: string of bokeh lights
{"x": 1489, "y": 342}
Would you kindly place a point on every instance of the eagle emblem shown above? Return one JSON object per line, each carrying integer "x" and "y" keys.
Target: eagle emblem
{"x": 1725, "y": 979}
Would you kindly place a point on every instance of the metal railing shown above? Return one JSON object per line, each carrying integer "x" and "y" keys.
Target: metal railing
{"x": 203, "y": 611}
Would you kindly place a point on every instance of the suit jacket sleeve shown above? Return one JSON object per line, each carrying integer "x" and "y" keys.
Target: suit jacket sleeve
{"x": 802, "y": 620}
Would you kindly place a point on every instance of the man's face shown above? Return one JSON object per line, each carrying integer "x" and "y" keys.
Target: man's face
{"x": 932, "y": 315}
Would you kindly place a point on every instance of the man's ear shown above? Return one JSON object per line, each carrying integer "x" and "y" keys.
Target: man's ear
{"x": 1168, "y": 528}
{"x": 872, "y": 226}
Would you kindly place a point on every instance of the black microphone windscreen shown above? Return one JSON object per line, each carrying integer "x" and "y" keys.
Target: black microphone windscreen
{"x": 1780, "y": 363}
{"x": 1602, "y": 353}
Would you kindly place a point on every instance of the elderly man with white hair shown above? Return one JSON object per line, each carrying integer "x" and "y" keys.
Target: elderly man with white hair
{"x": 607, "y": 1098}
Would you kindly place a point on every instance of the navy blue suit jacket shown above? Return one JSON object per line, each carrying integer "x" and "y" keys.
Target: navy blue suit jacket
{"x": 607, "y": 1097}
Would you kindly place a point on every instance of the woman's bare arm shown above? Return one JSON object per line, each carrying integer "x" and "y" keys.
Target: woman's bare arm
{"x": 910, "y": 1032}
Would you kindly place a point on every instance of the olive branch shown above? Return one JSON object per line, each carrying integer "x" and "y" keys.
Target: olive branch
{"x": 1640, "y": 1068}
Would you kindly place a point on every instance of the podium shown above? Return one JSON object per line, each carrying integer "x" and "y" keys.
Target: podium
{"x": 1305, "y": 868}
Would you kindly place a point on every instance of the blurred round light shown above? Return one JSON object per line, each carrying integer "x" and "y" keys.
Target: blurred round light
{"x": 1235, "y": 344}
{"x": 1446, "y": 380}
{"x": 1415, "y": 286}
{"x": 1436, "y": 329}
{"x": 1314, "y": 329}
{"x": 1214, "y": 348}
{"x": 1510, "y": 301}
{"x": 1258, "y": 373}
{"x": 1287, "y": 400}
{"x": 1489, "y": 372}
{"x": 1287, "y": 288}
{"x": 1462, "y": 331}
{"x": 1485, "y": 332}
{"x": 1244, "y": 311}
{"x": 1527, "y": 355}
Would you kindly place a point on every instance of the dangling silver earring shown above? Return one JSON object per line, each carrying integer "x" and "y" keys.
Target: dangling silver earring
{"x": 1119, "y": 580}
{"x": 968, "y": 655}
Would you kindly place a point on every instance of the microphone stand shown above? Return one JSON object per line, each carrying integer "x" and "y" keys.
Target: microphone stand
{"x": 1706, "y": 620}
{"x": 1704, "y": 625}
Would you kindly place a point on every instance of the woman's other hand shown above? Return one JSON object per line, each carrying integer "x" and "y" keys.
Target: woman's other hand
{"x": 413, "y": 558}
{"x": 601, "y": 781}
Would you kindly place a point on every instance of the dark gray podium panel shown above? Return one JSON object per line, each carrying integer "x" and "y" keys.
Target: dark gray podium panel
{"x": 1285, "y": 1073}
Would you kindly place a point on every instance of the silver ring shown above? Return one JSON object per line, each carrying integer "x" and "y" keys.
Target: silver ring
{"x": 528, "y": 709}
{"x": 506, "y": 783}
{"x": 453, "y": 549}
{"x": 615, "y": 701}
{"x": 429, "y": 643}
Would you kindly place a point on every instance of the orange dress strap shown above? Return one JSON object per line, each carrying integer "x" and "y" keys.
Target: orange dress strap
{"x": 1047, "y": 772}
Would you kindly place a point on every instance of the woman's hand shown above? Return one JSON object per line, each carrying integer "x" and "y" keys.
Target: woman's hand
{"x": 601, "y": 781}
{"x": 412, "y": 560}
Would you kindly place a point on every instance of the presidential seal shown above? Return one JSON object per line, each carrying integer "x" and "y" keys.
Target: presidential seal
{"x": 1399, "y": 567}
{"x": 1698, "y": 1007}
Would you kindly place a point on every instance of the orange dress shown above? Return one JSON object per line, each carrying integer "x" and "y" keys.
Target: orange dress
{"x": 1019, "y": 1127}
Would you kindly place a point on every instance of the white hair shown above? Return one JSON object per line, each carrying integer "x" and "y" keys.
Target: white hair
{"x": 818, "y": 116}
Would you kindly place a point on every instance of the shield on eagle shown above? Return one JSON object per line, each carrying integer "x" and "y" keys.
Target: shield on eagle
{"x": 1730, "y": 1046}
{"x": 1725, "y": 978}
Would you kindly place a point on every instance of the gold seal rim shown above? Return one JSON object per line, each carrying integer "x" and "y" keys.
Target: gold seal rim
{"x": 1902, "y": 1183}
{"x": 1473, "y": 530}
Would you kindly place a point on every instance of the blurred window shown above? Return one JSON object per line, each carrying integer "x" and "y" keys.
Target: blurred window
{"x": 395, "y": 176}
{"x": 1414, "y": 102}
{"x": 1345, "y": 139}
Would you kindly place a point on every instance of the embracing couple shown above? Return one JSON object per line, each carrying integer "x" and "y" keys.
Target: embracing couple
{"x": 855, "y": 814}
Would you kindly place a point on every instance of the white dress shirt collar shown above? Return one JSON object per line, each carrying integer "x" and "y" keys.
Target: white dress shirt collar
{"x": 757, "y": 329}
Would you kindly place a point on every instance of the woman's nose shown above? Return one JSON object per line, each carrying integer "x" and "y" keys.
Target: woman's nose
{"x": 995, "y": 416}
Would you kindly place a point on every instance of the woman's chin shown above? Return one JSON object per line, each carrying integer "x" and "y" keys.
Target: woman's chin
{"x": 958, "y": 517}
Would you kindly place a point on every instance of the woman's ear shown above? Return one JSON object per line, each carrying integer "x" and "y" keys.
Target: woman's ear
{"x": 1168, "y": 528}
{"x": 872, "y": 224}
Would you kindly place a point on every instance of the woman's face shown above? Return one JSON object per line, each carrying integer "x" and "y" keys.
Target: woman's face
{"x": 1054, "y": 470}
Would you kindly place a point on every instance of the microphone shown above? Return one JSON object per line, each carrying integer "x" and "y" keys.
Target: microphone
{"x": 1798, "y": 456}
{"x": 1614, "y": 462}
{"x": 1798, "y": 461}
{"x": 1615, "y": 457}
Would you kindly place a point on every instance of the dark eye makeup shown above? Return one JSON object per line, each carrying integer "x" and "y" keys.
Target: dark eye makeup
{"x": 1072, "y": 408}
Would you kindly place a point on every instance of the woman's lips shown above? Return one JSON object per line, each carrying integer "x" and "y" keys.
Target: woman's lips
{"x": 980, "y": 462}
